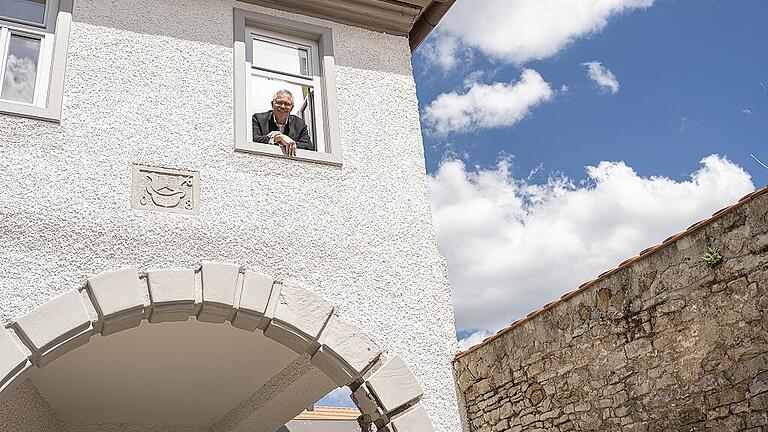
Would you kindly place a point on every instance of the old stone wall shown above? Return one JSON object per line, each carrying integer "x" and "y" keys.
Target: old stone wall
{"x": 662, "y": 343}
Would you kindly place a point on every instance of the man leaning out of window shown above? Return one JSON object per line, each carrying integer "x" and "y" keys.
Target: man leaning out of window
{"x": 278, "y": 126}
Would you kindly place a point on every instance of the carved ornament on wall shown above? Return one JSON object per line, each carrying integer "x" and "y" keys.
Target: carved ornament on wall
{"x": 164, "y": 189}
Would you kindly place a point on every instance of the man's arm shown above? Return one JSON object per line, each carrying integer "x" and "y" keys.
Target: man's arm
{"x": 259, "y": 135}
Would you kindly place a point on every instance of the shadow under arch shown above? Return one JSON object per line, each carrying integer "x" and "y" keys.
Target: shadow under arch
{"x": 386, "y": 393}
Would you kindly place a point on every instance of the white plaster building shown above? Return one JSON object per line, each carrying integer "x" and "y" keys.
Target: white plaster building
{"x": 161, "y": 271}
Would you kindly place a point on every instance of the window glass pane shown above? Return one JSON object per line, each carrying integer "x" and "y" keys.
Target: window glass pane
{"x": 263, "y": 89}
{"x": 23, "y": 10}
{"x": 282, "y": 58}
{"x": 21, "y": 69}
{"x": 307, "y": 112}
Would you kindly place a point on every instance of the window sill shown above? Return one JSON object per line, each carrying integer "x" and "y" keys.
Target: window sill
{"x": 301, "y": 155}
{"x": 29, "y": 111}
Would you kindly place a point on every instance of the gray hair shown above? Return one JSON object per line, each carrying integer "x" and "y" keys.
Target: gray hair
{"x": 282, "y": 92}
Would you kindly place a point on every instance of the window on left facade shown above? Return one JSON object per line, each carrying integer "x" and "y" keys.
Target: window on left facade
{"x": 31, "y": 74}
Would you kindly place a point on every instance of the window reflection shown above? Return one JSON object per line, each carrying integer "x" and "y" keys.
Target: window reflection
{"x": 20, "y": 71}
{"x": 274, "y": 56}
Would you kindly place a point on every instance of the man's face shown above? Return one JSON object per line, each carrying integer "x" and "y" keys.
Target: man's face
{"x": 282, "y": 105}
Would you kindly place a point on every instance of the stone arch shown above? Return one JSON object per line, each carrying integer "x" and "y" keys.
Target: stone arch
{"x": 386, "y": 393}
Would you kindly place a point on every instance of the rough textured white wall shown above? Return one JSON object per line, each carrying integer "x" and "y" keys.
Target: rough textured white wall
{"x": 151, "y": 82}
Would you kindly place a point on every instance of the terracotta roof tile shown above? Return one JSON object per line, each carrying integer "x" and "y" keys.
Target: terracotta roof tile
{"x": 629, "y": 261}
{"x": 607, "y": 273}
{"x": 533, "y": 313}
{"x": 673, "y": 237}
{"x": 696, "y": 225}
{"x": 750, "y": 195}
{"x": 585, "y": 285}
{"x": 723, "y": 210}
{"x": 646, "y": 251}
{"x": 329, "y": 413}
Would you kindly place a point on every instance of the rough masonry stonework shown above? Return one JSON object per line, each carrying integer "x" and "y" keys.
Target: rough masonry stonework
{"x": 662, "y": 343}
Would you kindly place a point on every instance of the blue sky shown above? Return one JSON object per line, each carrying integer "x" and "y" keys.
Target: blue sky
{"x": 687, "y": 69}
{"x": 542, "y": 178}
{"x": 534, "y": 161}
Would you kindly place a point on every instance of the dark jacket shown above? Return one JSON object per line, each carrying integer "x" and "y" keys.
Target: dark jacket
{"x": 264, "y": 123}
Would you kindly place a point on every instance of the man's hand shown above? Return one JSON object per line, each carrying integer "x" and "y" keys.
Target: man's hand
{"x": 285, "y": 142}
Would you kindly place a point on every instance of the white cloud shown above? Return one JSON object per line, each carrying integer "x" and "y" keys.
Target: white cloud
{"x": 487, "y": 105}
{"x": 518, "y": 31}
{"x": 746, "y": 112}
{"x": 473, "y": 339}
{"x": 513, "y": 246}
{"x": 445, "y": 51}
{"x": 602, "y": 76}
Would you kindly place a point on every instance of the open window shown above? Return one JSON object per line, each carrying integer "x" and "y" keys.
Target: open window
{"x": 33, "y": 42}
{"x": 282, "y": 62}
{"x": 274, "y": 54}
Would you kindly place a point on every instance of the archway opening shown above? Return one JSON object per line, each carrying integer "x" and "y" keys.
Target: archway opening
{"x": 215, "y": 349}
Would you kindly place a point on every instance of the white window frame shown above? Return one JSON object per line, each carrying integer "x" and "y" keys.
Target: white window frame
{"x": 53, "y": 34}
{"x": 318, "y": 41}
{"x": 43, "y": 62}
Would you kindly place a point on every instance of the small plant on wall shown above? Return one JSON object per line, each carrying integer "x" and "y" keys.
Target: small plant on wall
{"x": 712, "y": 258}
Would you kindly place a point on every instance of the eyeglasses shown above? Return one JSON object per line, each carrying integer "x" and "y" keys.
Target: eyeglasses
{"x": 282, "y": 104}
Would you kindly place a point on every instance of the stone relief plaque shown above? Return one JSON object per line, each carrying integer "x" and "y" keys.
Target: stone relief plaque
{"x": 166, "y": 190}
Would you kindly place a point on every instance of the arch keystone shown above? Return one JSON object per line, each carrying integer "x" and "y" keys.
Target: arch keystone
{"x": 219, "y": 287}
{"x": 56, "y": 327}
{"x": 172, "y": 293}
{"x": 119, "y": 299}
{"x": 299, "y": 317}
{"x": 345, "y": 351}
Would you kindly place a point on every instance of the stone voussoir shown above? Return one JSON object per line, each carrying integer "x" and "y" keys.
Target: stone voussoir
{"x": 299, "y": 317}
{"x": 345, "y": 351}
{"x": 220, "y": 282}
{"x": 394, "y": 385}
{"x": 414, "y": 419}
{"x": 172, "y": 293}
{"x": 55, "y": 328}
{"x": 119, "y": 299}
{"x": 253, "y": 309}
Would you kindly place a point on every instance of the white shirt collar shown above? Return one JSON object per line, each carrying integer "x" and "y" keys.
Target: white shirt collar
{"x": 281, "y": 127}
